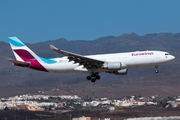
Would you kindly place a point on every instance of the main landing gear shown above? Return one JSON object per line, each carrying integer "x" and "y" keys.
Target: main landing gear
{"x": 93, "y": 77}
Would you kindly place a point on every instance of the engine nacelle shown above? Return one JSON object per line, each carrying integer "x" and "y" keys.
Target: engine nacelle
{"x": 121, "y": 72}
{"x": 112, "y": 66}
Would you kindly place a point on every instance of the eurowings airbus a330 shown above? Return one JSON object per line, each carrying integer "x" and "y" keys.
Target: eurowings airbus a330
{"x": 116, "y": 63}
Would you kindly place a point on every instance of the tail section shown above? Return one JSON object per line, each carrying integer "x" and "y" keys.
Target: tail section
{"x": 24, "y": 55}
{"x": 20, "y": 50}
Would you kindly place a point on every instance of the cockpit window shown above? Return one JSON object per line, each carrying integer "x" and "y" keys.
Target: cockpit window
{"x": 166, "y": 53}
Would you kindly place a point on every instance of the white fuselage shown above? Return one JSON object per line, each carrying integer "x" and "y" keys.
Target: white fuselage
{"x": 128, "y": 60}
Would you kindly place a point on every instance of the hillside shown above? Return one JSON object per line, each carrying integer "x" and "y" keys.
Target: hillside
{"x": 16, "y": 80}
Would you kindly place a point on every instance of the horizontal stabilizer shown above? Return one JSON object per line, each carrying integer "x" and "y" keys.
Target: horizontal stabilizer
{"x": 19, "y": 63}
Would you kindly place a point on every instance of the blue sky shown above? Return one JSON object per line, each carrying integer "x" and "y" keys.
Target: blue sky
{"x": 41, "y": 20}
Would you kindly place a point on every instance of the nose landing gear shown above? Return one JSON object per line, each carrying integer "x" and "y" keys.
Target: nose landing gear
{"x": 156, "y": 71}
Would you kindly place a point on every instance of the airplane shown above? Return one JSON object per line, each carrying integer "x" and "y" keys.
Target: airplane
{"x": 115, "y": 63}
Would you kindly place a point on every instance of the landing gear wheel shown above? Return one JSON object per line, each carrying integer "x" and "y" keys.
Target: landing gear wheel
{"x": 156, "y": 71}
{"x": 93, "y": 80}
{"x": 93, "y": 75}
{"x": 88, "y": 77}
{"x": 98, "y": 77}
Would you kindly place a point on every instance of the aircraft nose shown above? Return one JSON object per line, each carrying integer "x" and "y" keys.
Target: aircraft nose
{"x": 172, "y": 57}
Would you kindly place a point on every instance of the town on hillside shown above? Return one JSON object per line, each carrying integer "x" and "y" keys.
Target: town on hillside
{"x": 69, "y": 103}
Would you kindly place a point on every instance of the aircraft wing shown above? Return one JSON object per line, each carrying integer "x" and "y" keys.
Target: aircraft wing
{"x": 82, "y": 60}
{"x": 19, "y": 63}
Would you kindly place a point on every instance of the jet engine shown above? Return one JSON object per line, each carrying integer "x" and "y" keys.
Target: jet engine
{"x": 112, "y": 66}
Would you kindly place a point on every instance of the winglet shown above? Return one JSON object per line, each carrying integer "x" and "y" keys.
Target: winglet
{"x": 53, "y": 47}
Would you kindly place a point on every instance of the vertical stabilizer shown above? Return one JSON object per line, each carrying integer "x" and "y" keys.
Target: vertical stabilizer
{"x": 24, "y": 54}
{"x": 20, "y": 50}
